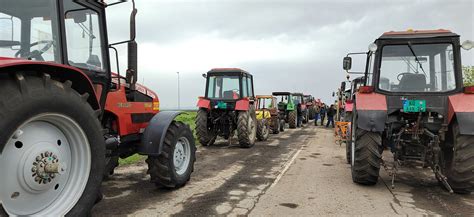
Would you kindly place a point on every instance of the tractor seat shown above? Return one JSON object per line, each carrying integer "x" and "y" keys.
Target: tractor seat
{"x": 229, "y": 94}
{"x": 413, "y": 83}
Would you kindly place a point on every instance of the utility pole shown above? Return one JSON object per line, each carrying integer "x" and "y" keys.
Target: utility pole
{"x": 179, "y": 106}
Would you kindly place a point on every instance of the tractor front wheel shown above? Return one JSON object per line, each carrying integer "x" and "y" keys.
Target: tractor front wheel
{"x": 263, "y": 130}
{"x": 246, "y": 128}
{"x": 366, "y": 155}
{"x": 459, "y": 163}
{"x": 203, "y": 130}
{"x": 53, "y": 152}
{"x": 173, "y": 167}
{"x": 275, "y": 125}
{"x": 292, "y": 119}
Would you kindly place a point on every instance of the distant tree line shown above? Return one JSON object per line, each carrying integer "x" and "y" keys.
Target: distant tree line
{"x": 468, "y": 75}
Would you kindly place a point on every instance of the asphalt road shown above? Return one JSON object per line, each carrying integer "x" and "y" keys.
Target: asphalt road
{"x": 299, "y": 173}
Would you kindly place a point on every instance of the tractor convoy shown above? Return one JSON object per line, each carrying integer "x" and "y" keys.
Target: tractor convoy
{"x": 67, "y": 119}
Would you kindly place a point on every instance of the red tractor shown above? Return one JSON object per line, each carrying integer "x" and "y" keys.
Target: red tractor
{"x": 227, "y": 107}
{"x": 63, "y": 113}
{"x": 311, "y": 106}
{"x": 413, "y": 102}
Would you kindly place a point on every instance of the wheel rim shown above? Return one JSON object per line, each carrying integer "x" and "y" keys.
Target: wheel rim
{"x": 182, "y": 155}
{"x": 45, "y": 166}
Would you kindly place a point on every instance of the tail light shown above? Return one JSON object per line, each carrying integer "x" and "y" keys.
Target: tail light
{"x": 366, "y": 89}
{"x": 469, "y": 89}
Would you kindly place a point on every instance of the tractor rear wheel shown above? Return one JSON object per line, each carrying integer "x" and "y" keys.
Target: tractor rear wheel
{"x": 246, "y": 128}
{"x": 203, "y": 131}
{"x": 282, "y": 125}
{"x": 311, "y": 113}
{"x": 459, "y": 162}
{"x": 263, "y": 130}
{"x": 52, "y": 148}
{"x": 292, "y": 119}
{"x": 275, "y": 125}
{"x": 173, "y": 167}
{"x": 366, "y": 156}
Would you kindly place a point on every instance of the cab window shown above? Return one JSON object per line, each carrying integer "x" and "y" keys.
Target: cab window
{"x": 83, "y": 37}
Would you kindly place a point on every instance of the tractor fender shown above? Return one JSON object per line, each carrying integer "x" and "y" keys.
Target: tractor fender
{"x": 154, "y": 135}
{"x": 204, "y": 103}
{"x": 371, "y": 111}
{"x": 461, "y": 106}
{"x": 80, "y": 82}
{"x": 242, "y": 105}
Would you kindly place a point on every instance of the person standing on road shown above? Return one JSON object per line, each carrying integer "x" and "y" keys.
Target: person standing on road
{"x": 316, "y": 114}
{"x": 331, "y": 112}
{"x": 299, "y": 114}
{"x": 322, "y": 113}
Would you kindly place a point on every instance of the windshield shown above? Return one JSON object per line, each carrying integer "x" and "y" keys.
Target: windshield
{"x": 297, "y": 99}
{"x": 417, "y": 68}
{"x": 29, "y": 30}
{"x": 223, "y": 87}
{"x": 264, "y": 103}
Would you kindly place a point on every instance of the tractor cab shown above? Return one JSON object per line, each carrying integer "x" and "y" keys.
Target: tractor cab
{"x": 412, "y": 100}
{"x": 57, "y": 32}
{"x": 226, "y": 86}
{"x": 285, "y": 100}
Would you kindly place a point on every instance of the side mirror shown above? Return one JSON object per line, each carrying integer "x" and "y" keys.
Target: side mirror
{"x": 333, "y": 94}
{"x": 347, "y": 63}
{"x": 204, "y": 75}
{"x": 343, "y": 86}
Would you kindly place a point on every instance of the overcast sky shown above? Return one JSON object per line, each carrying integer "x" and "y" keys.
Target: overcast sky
{"x": 292, "y": 45}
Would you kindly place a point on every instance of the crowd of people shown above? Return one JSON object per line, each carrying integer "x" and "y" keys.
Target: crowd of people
{"x": 322, "y": 112}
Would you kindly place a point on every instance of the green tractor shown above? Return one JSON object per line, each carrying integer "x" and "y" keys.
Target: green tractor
{"x": 286, "y": 109}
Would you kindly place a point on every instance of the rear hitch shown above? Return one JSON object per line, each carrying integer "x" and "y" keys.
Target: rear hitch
{"x": 443, "y": 179}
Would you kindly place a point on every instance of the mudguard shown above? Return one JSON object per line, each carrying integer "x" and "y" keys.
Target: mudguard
{"x": 242, "y": 105}
{"x": 154, "y": 135}
{"x": 461, "y": 106}
{"x": 371, "y": 111}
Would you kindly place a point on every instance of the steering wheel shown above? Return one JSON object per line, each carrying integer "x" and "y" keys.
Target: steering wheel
{"x": 37, "y": 54}
{"x": 399, "y": 76}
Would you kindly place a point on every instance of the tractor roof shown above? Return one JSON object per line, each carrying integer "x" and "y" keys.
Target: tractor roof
{"x": 298, "y": 94}
{"x": 281, "y": 93}
{"x": 418, "y": 34}
{"x": 228, "y": 71}
{"x": 264, "y": 96}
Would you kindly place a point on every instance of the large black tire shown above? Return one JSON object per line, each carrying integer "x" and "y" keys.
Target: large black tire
{"x": 367, "y": 157}
{"x": 348, "y": 152}
{"x": 282, "y": 125}
{"x": 305, "y": 117}
{"x": 459, "y": 162}
{"x": 162, "y": 169}
{"x": 292, "y": 119}
{"x": 275, "y": 125}
{"x": 203, "y": 131}
{"x": 26, "y": 97}
{"x": 247, "y": 128}
{"x": 263, "y": 130}
{"x": 311, "y": 113}
{"x": 110, "y": 164}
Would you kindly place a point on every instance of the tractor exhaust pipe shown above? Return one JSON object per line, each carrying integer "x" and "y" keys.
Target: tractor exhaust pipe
{"x": 132, "y": 72}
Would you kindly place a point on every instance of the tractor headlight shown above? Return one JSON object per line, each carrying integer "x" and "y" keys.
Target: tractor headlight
{"x": 467, "y": 45}
{"x": 373, "y": 47}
